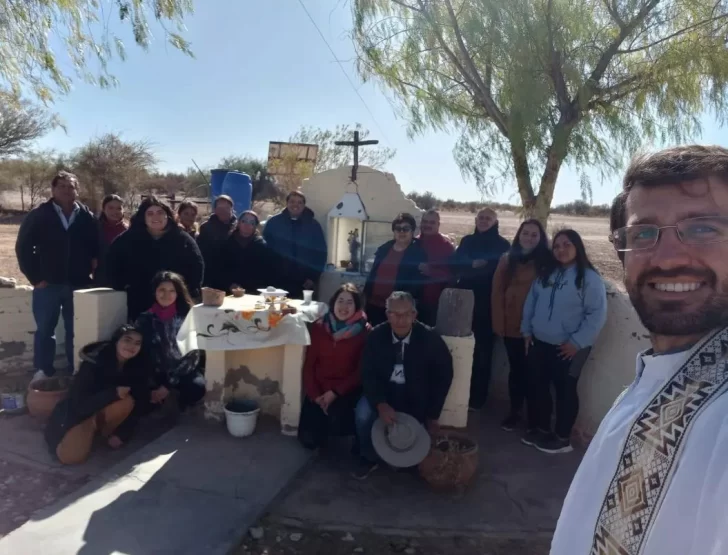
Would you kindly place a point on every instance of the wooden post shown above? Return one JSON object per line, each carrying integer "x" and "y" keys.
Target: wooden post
{"x": 455, "y": 313}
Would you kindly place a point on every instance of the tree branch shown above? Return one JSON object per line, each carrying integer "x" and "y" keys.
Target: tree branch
{"x": 586, "y": 91}
{"x": 673, "y": 35}
{"x": 490, "y": 106}
{"x": 557, "y": 76}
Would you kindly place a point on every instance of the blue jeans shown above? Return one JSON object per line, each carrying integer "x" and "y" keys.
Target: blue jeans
{"x": 49, "y": 303}
{"x": 364, "y": 418}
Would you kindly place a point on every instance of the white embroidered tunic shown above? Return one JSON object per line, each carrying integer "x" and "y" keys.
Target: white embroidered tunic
{"x": 693, "y": 517}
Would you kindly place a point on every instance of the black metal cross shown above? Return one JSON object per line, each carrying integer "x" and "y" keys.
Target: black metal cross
{"x": 356, "y": 143}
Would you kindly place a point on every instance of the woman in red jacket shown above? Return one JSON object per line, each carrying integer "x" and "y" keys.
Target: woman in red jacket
{"x": 331, "y": 378}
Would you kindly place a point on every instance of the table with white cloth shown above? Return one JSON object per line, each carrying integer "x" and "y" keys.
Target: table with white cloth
{"x": 252, "y": 354}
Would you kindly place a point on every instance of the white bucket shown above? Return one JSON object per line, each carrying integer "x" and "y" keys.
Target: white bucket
{"x": 241, "y": 417}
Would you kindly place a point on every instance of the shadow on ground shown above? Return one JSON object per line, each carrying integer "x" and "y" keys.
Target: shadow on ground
{"x": 517, "y": 494}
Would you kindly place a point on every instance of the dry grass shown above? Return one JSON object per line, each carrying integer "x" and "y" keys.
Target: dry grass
{"x": 454, "y": 224}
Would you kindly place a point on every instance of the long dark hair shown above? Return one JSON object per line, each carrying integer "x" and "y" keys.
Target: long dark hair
{"x": 137, "y": 220}
{"x": 582, "y": 259}
{"x": 107, "y": 355}
{"x": 540, "y": 254}
{"x": 107, "y": 200}
{"x": 184, "y": 300}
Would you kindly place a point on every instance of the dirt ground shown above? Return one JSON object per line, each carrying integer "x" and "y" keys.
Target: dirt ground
{"x": 454, "y": 225}
{"x": 287, "y": 540}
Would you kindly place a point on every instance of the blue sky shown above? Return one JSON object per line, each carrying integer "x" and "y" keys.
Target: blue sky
{"x": 261, "y": 71}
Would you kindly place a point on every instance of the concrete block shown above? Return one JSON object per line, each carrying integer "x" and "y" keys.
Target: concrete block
{"x": 97, "y": 313}
{"x": 455, "y": 411}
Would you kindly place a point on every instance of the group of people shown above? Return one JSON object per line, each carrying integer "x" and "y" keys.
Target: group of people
{"x": 653, "y": 480}
{"x": 548, "y": 304}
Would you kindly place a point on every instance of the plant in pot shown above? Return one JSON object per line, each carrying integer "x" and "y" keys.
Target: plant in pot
{"x": 44, "y": 394}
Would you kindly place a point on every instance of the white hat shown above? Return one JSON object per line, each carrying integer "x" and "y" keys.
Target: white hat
{"x": 403, "y": 444}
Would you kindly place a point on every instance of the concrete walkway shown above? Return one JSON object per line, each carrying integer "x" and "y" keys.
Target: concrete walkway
{"x": 194, "y": 490}
{"x": 518, "y": 493}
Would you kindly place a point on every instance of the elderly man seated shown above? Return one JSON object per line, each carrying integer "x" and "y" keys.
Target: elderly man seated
{"x": 406, "y": 368}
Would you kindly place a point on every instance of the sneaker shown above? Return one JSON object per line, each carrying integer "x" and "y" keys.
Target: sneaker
{"x": 531, "y": 437}
{"x": 364, "y": 470}
{"x": 39, "y": 375}
{"x": 554, "y": 444}
{"x": 511, "y": 423}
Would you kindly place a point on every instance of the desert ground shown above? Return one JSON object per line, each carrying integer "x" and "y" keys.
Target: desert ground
{"x": 453, "y": 224}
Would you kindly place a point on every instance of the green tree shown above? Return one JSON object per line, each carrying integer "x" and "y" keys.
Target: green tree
{"x": 332, "y": 156}
{"x": 29, "y": 30}
{"x": 533, "y": 84}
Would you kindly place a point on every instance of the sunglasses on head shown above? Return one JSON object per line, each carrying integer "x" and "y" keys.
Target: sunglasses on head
{"x": 402, "y": 228}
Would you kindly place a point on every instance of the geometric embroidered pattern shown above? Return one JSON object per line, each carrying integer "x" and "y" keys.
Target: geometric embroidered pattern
{"x": 652, "y": 447}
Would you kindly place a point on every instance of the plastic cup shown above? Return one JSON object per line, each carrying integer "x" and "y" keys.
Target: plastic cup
{"x": 307, "y": 296}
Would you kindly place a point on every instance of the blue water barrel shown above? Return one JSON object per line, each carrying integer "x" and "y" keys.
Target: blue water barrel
{"x": 239, "y": 187}
{"x": 216, "y": 179}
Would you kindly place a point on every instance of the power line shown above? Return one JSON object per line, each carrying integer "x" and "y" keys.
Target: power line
{"x": 341, "y": 66}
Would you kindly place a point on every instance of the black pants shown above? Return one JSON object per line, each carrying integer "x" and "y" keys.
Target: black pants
{"x": 315, "y": 426}
{"x": 191, "y": 390}
{"x": 482, "y": 363}
{"x": 518, "y": 373}
{"x": 545, "y": 369}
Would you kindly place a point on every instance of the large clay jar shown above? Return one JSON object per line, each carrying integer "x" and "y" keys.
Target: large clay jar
{"x": 44, "y": 394}
{"x": 451, "y": 462}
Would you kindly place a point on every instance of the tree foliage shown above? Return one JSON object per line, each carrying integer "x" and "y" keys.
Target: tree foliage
{"x": 109, "y": 164}
{"x": 21, "y": 122}
{"x": 332, "y": 156}
{"x": 32, "y": 30}
{"x": 532, "y": 84}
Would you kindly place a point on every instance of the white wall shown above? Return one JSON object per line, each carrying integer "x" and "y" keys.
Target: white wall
{"x": 17, "y": 328}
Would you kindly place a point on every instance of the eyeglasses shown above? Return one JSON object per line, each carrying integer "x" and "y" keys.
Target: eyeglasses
{"x": 703, "y": 230}
{"x": 249, "y": 221}
{"x": 402, "y": 228}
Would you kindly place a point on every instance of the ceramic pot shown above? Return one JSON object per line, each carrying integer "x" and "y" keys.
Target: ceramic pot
{"x": 45, "y": 394}
{"x": 212, "y": 297}
{"x": 451, "y": 462}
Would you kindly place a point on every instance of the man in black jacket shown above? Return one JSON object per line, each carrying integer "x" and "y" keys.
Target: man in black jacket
{"x": 405, "y": 367}
{"x": 476, "y": 260}
{"x": 212, "y": 238}
{"x": 57, "y": 249}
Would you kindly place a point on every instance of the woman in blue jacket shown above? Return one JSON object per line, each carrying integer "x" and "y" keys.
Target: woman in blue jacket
{"x": 563, "y": 314}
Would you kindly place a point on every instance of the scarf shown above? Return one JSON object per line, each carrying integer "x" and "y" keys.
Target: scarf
{"x": 111, "y": 231}
{"x": 165, "y": 314}
{"x": 339, "y": 329}
{"x": 653, "y": 447}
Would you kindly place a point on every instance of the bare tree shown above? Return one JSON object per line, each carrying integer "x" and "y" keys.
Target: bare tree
{"x": 21, "y": 123}
{"x": 30, "y": 176}
{"x": 108, "y": 164}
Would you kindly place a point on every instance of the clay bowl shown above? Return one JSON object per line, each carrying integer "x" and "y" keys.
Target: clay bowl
{"x": 212, "y": 297}
{"x": 451, "y": 462}
{"x": 237, "y": 291}
{"x": 45, "y": 394}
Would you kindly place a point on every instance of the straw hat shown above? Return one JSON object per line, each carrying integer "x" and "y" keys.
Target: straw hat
{"x": 403, "y": 444}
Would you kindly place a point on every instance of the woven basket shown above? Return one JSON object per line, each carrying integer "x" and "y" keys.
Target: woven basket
{"x": 451, "y": 462}
{"x": 212, "y": 297}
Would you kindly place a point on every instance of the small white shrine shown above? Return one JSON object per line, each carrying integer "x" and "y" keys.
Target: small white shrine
{"x": 356, "y": 218}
